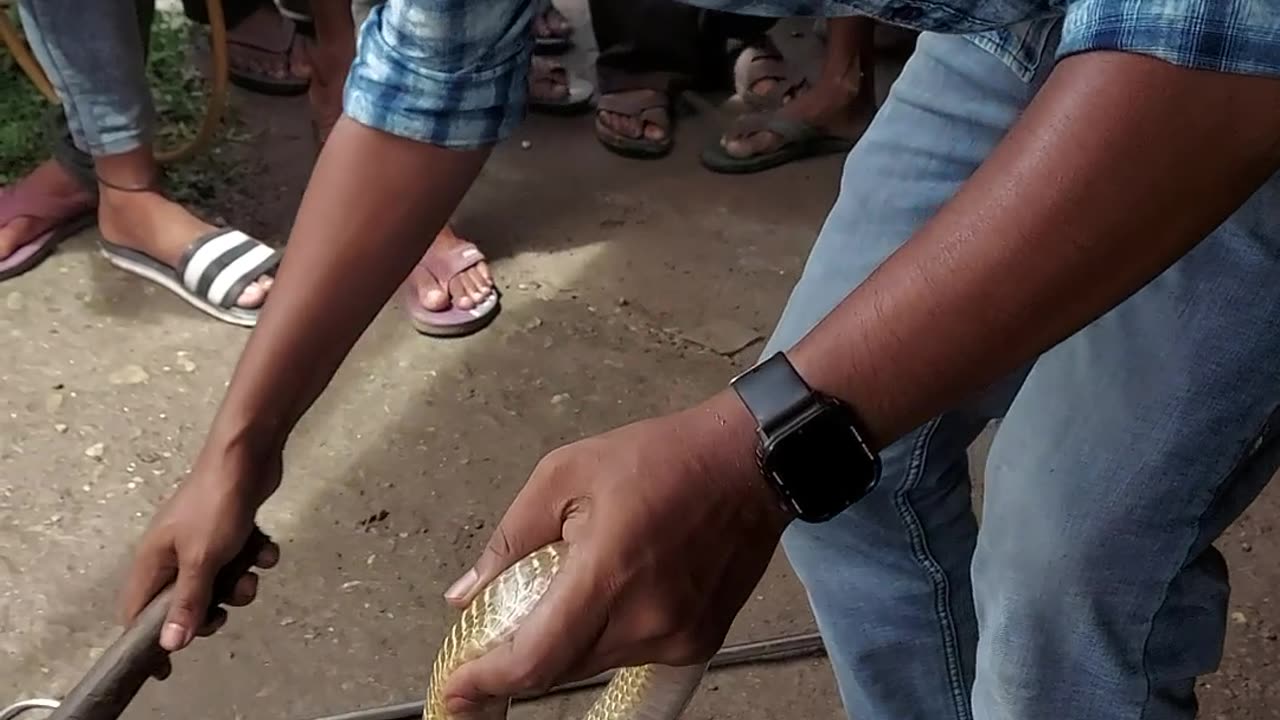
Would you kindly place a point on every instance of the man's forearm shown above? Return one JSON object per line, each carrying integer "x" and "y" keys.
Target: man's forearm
{"x": 1120, "y": 166}
{"x": 373, "y": 204}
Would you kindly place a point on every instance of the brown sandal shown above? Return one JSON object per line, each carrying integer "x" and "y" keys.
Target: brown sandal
{"x": 648, "y": 106}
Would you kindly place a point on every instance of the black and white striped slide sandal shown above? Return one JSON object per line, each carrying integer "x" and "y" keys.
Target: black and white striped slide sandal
{"x": 212, "y": 273}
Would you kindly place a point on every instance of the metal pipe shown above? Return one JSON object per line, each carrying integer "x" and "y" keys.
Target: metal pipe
{"x": 19, "y": 708}
{"x": 790, "y": 647}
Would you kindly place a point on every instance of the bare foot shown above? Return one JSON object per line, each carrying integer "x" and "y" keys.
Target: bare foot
{"x": 49, "y": 179}
{"x": 655, "y": 128}
{"x": 151, "y": 223}
{"x": 548, "y": 80}
{"x": 552, "y": 24}
{"x": 466, "y": 290}
{"x": 833, "y": 107}
{"x": 839, "y": 103}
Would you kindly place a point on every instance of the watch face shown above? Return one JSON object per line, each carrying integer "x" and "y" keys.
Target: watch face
{"x": 821, "y": 465}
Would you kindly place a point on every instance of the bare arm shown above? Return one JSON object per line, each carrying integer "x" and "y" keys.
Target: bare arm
{"x": 1105, "y": 181}
{"x": 1120, "y": 166}
{"x": 373, "y": 203}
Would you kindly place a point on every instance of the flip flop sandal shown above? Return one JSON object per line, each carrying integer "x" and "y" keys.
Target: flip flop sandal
{"x": 54, "y": 219}
{"x": 453, "y": 322}
{"x": 552, "y": 44}
{"x": 799, "y": 140}
{"x": 765, "y": 63}
{"x": 211, "y": 275}
{"x": 648, "y": 108}
{"x": 260, "y": 82}
{"x": 576, "y": 101}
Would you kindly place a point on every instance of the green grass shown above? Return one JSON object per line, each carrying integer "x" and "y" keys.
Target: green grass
{"x": 180, "y": 91}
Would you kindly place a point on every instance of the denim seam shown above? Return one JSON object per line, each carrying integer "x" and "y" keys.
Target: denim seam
{"x": 920, "y": 551}
{"x": 1250, "y": 450}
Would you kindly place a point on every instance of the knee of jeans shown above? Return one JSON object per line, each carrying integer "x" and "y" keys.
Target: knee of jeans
{"x": 1063, "y": 604}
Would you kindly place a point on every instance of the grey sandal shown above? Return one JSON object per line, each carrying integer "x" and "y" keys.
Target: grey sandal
{"x": 798, "y": 140}
{"x": 211, "y": 275}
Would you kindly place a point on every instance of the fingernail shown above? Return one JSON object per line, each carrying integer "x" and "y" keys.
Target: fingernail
{"x": 173, "y": 637}
{"x": 459, "y": 589}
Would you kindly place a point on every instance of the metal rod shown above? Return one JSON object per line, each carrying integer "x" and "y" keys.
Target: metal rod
{"x": 19, "y": 708}
{"x": 790, "y": 647}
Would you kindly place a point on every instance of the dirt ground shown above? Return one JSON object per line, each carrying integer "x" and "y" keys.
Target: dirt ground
{"x": 630, "y": 288}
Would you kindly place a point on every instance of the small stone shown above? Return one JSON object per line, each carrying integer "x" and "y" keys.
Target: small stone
{"x": 1272, "y": 636}
{"x": 60, "y": 427}
{"x": 131, "y": 485}
{"x": 560, "y": 398}
{"x": 287, "y": 621}
{"x": 96, "y": 451}
{"x": 185, "y": 364}
{"x": 1246, "y": 547}
{"x": 1239, "y": 618}
{"x": 14, "y": 301}
{"x": 53, "y": 402}
{"x": 533, "y": 324}
{"x": 522, "y": 286}
{"x": 525, "y": 144}
{"x": 128, "y": 375}
{"x": 623, "y": 302}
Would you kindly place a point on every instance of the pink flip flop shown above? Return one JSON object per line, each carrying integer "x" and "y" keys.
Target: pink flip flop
{"x": 455, "y": 321}
{"x": 55, "y": 219}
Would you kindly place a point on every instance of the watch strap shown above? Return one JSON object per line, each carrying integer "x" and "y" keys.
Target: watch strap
{"x": 773, "y": 392}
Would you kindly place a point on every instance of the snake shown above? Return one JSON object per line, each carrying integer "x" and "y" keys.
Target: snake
{"x": 644, "y": 692}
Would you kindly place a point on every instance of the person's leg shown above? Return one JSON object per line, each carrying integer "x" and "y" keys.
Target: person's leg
{"x": 889, "y": 579}
{"x": 649, "y": 50}
{"x": 837, "y": 105}
{"x": 62, "y": 188}
{"x": 94, "y": 56}
{"x": 1131, "y": 447}
{"x": 266, "y": 53}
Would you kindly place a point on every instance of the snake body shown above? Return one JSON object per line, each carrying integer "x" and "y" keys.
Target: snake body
{"x": 647, "y": 692}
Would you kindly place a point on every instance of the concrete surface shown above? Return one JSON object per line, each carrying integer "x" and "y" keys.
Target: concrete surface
{"x": 631, "y": 288}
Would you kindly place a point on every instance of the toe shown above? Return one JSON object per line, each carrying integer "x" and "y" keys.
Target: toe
{"x": 11, "y": 236}
{"x": 479, "y": 287}
{"x": 468, "y": 282}
{"x": 655, "y": 132}
{"x": 459, "y": 292}
{"x": 252, "y": 296}
{"x": 430, "y": 294}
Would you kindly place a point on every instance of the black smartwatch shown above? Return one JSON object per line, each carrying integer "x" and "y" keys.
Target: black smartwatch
{"x": 811, "y": 448}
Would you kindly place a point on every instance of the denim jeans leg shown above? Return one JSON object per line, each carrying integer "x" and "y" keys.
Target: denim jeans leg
{"x": 94, "y": 55}
{"x": 888, "y": 580}
{"x": 1129, "y": 449}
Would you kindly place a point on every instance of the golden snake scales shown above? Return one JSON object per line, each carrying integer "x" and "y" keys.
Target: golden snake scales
{"x": 648, "y": 692}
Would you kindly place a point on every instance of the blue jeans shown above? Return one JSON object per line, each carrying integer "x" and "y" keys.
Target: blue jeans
{"x": 94, "y": 54}
{"x": 1090, "y": 590}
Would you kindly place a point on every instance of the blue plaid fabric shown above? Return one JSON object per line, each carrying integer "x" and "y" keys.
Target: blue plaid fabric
{"x": 453, "y": 72}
